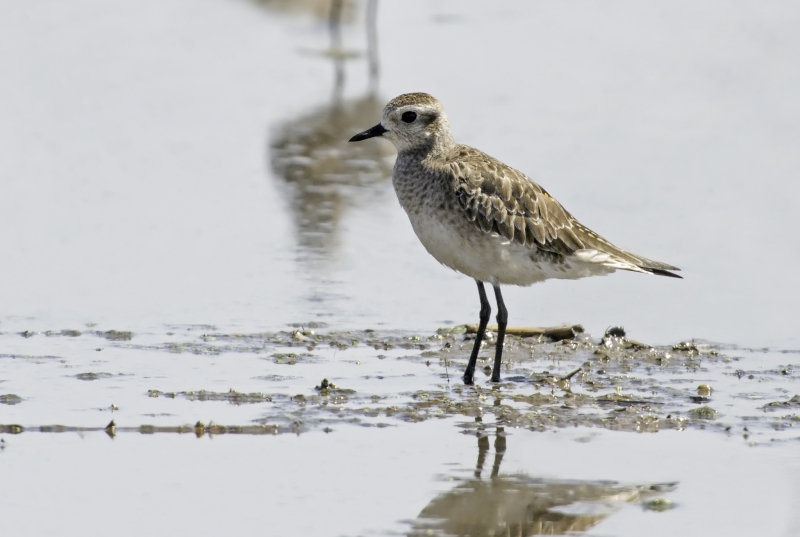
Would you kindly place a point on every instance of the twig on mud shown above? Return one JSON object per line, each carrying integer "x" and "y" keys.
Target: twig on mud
{"x": 555, "y": 333}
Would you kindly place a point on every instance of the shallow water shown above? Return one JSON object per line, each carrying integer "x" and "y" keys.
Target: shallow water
{"x": 177, "y": 191}
{"x": 135, "y": 483}
{"x": 662, "y": 438}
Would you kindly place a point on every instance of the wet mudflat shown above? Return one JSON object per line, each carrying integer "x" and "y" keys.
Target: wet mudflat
{"x": 305, "y": 379}
{"x": 584, "y": 434}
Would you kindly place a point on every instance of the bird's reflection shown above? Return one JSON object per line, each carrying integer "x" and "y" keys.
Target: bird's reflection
{"x": 521, "y": 505}
{"x": 322, "y": 174}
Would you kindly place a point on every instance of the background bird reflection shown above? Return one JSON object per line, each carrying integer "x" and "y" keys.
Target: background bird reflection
{"x": 310, "y": 154}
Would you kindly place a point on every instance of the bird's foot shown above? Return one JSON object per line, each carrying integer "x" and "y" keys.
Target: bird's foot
{"x": 468, "y": 380}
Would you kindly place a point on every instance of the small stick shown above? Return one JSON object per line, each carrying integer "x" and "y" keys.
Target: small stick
{"x": 556, "y": 333}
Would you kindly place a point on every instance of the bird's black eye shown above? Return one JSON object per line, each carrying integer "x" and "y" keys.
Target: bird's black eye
{"x": 409, "y": 117}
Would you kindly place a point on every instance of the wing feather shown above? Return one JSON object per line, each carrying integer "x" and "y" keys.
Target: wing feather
{"x": 499, "y": 199}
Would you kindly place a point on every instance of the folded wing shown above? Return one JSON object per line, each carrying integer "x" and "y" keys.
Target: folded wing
{"x": 499, "y": 199}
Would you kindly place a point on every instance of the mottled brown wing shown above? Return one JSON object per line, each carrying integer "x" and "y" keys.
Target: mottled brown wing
{"x": 499, "y": 199}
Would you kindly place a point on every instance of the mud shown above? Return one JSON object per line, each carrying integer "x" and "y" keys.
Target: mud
{"x": 378, "y": 378}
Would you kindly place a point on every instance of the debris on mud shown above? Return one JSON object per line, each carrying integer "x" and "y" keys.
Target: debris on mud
{"x": 10, "y": 399}
{"x": 704, "y": 390}
{"x": 658, "y": 505}
{"x": 291, "y": 358}
{"x": 231, "y": 396}
{"x": 67, "y": 333}
{"x": 556, "y": 333}
{"x": 794, "y": 402}
{"x": 325, "y": 385}
{"x": 93, "y": 376}
{"x": 704, "y": 413}
{"x": 115, "y": 335}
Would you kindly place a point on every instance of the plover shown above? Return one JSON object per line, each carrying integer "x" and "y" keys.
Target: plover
{"x": 485, "y": 219}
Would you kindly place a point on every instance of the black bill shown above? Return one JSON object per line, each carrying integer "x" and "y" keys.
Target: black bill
{"x": 377, "y": 130}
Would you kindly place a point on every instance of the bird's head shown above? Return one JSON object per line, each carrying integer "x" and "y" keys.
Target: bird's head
{"x": 412, "y": 121}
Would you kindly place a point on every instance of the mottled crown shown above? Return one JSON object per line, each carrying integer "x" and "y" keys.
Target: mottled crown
{"x": 412, "y": 98}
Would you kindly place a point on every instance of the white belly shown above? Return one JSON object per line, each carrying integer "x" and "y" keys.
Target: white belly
{"x": 459, "y": 245}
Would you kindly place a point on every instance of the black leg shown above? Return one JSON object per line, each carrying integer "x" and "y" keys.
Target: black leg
{"x": 502, "y": 320}
{"x": 486, "y": 311}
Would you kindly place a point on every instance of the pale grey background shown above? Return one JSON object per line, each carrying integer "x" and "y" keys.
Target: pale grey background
{"x": 136, "y": 188}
